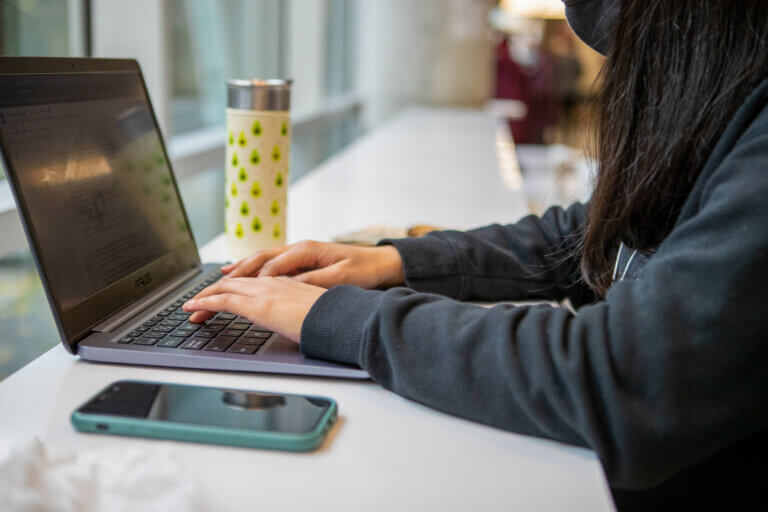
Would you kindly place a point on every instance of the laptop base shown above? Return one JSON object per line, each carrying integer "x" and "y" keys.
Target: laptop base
{"x": 279, "y": 355}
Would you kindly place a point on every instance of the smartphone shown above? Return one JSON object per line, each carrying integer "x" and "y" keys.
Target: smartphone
{"x": 208, "y": 415}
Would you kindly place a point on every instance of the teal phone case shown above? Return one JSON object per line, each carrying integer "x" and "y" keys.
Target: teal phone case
{"x": 136, "y": 427}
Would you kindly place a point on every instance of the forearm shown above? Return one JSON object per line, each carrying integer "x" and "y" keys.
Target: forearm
{"x": 629, "y": 393}
{"x": 533, "y": 258}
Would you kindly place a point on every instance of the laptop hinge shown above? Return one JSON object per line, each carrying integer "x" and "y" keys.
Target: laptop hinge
{"x": 134, "y": 309}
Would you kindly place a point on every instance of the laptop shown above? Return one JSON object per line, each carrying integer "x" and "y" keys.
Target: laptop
{"x": 102, "y": 212}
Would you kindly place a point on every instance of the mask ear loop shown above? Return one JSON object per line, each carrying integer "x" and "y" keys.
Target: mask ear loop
{"x": 616, "y": 265}
{"x": 628, "y": 264}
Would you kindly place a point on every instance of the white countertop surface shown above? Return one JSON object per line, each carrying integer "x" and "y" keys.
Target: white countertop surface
{"x": 385, "y": 453}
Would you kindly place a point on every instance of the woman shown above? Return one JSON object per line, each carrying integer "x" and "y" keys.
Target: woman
{"x": 663, "y": 369}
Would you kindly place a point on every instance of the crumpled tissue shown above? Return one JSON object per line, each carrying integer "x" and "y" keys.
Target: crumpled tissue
{"x": 38, "y": 477}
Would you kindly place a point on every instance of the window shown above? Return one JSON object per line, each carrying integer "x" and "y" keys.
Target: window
{"x": 37, "y": 28}
{"x": 212, "y": 42}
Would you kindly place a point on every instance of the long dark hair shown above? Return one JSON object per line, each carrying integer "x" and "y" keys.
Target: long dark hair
{"x": 676, "y": 72}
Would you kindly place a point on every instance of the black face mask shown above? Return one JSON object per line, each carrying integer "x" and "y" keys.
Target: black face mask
{"x": 591, "y": 20}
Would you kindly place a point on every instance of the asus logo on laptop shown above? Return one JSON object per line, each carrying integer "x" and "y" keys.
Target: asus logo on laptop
{"x": 143, "y": 280}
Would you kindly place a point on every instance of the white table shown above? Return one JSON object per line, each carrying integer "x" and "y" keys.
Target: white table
{"x": 386, "y": 453}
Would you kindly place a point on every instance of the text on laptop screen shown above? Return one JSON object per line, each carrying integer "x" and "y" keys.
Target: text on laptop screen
{"x": 93, "y": 175}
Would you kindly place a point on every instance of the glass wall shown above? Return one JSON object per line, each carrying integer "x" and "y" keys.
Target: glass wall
{"x": 39, "y": 27}
{"x": 212, "y": 42}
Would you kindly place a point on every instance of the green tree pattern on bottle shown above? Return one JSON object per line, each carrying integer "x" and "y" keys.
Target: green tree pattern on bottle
{"x": 231, "y": 139}
{"x": 276, "y": 154}
{"x": 242, "y": 140}
{"x": 275, "y": 208}
{"x": 234, "y": 160}
{"x": 255, "y": 157}
{"x": 279, "y": 179}
{"x": 256, "y": 225}
{"x": 255, "y": 189}
{"x": 239, "y": 230}
{"x": 284, "y": 129}
{"x": 276, "y": 231}
{"x": 256, "y": 129}
{"x": 244, "y": 208}
{"x": 234, "y": 189}
{"x": 243, "y": 175}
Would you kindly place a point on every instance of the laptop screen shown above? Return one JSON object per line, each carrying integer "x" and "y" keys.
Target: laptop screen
{"x": 98, "y": 194}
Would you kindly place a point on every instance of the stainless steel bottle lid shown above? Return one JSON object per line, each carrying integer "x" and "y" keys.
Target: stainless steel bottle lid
{"x": 259, "y": 94}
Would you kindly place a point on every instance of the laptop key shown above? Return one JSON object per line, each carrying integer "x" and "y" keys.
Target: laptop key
{"x": 220, "y": 343}
{"x": 181, "y": 332}
{"x": 158, "y": 318}
{"x": 240, "y": 348}
{"x": 206, "y": 333}
{"x": 226, "y": 316}
{"x": 240, "y": 325}
{"x": 232, "y": 332}
{"x": 161, "y": 328}
{"x": 126, "y": 339}
{"x": 154, "y": 334}
{"x": 218, "y": 321}
{"x": 214, "y": 327}
{"x": 141, "y": 329}
{"x": 145, "y": 340}
{"x": 260, "y": 335}
{"x": 195, "y": 343}
{"x": 171, "y": 341}
{"x": 251, "y": 341}
{"x": 189, "y": 326}
{"x": 181, "y": 317}
{"x": 170, "y": 323}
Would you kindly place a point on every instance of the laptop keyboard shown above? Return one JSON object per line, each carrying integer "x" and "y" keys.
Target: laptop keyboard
{"x": 225, "y": 332}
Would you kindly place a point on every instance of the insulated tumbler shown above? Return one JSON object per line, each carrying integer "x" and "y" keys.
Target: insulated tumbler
{"x": 258, "y": 143}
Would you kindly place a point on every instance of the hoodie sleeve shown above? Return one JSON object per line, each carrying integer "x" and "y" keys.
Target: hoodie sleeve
{"x": 665, "y": 372}
{"x": 531, "y": 259}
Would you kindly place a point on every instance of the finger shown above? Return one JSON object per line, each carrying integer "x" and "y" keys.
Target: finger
{"x": 325, "y": 277}
{"x": 243, "y": 285}
{"x": 199, "y": 317}
{"x": 230, "y": 266}
{"x": 230, "y": 302}
{"x": 289, "y": 262}
{"x": 251, "y": 265}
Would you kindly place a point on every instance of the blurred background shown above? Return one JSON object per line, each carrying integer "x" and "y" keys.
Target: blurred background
{"x": 356, "y": 64}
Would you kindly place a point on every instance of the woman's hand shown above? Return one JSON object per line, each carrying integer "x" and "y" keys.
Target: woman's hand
{"x": 279, "y": 304}
{"x": 325, "y": 264}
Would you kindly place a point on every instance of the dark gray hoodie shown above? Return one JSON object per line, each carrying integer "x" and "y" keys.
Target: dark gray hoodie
{"x": 665, "y": 378}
